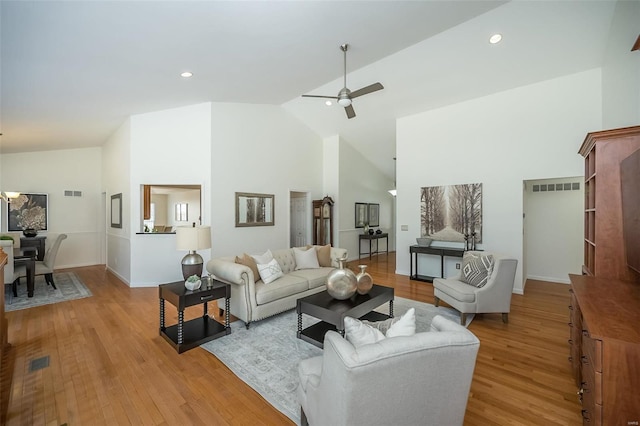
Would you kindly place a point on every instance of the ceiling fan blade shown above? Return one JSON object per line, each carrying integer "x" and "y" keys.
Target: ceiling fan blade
{"x": 350, "y": 112}
{"x": 319, "y": 96}
{"x": 371, "y": 88}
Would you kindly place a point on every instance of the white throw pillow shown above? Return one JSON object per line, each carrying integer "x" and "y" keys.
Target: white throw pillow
{"x": 359, "y": 334}
{"x": 263, "y": 258}
{"x": 270, "y": 272}
{"x": 306, "y": 259}
{"x": 405, "y": 326}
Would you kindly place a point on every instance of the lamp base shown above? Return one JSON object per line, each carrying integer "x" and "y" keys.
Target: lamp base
{"x": 192, "y": 265}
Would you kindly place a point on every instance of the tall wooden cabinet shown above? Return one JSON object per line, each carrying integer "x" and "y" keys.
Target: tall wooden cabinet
{"x": 603, "y": 151}
{"x": 605, "y": 301}
{"x": 323, "y": 221}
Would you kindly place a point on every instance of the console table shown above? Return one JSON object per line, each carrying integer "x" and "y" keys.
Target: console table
{"x": 37, "y": 242}
{"x": 415, "y": 250}
{"x": 371, "y": 238}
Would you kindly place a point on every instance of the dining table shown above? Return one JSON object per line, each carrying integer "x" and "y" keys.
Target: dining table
{"x": 26, "y": 256}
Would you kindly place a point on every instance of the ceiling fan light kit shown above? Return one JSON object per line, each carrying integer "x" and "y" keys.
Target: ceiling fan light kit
{"x": 346, "y": 96}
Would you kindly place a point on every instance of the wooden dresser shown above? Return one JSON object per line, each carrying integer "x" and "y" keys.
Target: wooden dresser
{"x": 605, "y": 348}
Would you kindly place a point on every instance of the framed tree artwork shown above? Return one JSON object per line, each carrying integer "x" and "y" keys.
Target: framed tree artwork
{"x": 451, "y": 213}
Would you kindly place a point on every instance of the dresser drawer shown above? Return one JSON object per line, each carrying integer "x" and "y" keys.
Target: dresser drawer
{"x": 591, "y": 412}
{"x": 592, "y": 350}
{"x": 591, "y": 384}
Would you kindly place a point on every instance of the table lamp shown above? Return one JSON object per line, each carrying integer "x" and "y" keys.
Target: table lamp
{"x": 192, "y": 239}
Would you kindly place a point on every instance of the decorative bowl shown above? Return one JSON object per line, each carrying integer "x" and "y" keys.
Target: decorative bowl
{"x": 30, "y": 232}
{"x": 424, "y": 241}
{"x": 193, "y": 283}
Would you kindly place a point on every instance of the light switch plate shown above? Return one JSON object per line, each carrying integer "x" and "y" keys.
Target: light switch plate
{"x": 404, "y": 227}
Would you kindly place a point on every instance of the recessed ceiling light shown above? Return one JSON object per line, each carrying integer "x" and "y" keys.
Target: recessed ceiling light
{"x": 186, "y": 74}
{"x": 328, "y": 103}
{"x": 495, "y": 38}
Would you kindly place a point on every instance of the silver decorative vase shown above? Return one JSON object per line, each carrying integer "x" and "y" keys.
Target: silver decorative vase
{"x": 364, "y": 280}
{"x": 341, "y": 282}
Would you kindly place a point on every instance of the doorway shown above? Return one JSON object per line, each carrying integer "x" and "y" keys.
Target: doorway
{"x": 300, "y": 218}
{"x": 552, "y": 228}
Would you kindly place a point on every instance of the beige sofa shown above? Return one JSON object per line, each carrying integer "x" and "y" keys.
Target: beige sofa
{"x": 253, "y": 300}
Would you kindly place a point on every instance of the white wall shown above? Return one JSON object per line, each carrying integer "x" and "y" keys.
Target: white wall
{"x": 554, "y": 230}
{"x": 621, "y": 69}
{"x": 116, "y": 172}
{"x": 500, "y": 140}
{"x": 259, "y": 149}
{"x": 53, "y": 172}
{"x": 167, "y": 147}
{"x": 361, "y": 182}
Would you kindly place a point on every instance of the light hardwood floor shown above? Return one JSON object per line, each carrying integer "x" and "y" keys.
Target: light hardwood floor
{"x": 108, "y": 365}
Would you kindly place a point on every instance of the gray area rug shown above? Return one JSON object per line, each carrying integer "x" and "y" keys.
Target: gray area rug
{"x": 266, "y": 356}
{"x": 69, "y": 287}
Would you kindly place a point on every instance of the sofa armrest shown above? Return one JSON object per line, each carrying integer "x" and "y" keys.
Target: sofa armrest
{"x": 230, "y": 272}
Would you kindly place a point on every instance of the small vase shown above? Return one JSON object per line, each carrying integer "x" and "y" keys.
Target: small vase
{"x": 365, "y": 282}
{"x": 341, "y": 282}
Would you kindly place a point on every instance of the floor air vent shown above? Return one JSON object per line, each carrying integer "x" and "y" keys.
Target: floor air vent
{"x": 39, "y": 364}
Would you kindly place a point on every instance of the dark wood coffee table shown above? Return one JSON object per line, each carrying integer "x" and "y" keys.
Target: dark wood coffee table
{"x": 331, "y": 311}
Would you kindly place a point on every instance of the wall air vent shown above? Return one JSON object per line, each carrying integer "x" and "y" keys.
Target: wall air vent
{"x": 70, "y": 193}
{"x": 554, "y": 187}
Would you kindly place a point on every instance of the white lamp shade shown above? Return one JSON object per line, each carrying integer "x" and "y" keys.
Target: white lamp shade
{"x": 193, "y": 238}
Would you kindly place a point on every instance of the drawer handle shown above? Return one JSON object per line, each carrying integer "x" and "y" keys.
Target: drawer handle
{"x": 206, "y": 297}
{"x": 585, "y": 333}
{"x": 570, "y": 341}
{"x": 585, "y": 415}
{"x": 571, "y": 307}
{"x": 570, "y": 324}
{"x": 584, "y": 360}
{"x": 570, "y": 359}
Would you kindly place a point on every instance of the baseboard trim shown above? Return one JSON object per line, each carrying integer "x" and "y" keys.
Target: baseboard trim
{"x": 549, "y": 279}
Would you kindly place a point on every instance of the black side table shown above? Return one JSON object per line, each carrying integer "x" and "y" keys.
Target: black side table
{"x": 188, "y": 335}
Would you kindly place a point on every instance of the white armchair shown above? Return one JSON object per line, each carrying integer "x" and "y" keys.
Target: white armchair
{"x": 494, "y": 296}
{"x": 422, "y": 379}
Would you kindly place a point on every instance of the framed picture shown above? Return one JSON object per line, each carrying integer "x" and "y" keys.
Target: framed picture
{"x": 362, "y": 215}
{"x": 374, "y": 214}
{"x": 182, "y": 210}
{"x": 254, "y": 209}
{"x": 116, "y": 211}
{"x": 28, "y": 211}
{"x": 449, "y": 213}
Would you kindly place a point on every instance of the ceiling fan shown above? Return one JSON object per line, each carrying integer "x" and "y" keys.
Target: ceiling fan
{"x": 345, "y": 96}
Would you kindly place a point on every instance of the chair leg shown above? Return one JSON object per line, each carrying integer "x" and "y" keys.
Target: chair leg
{"x": 463, "y": 318}
{"x": 49, "y": 279}
{"x": 303, "y": 418}
{"x": 220, "y": 311}
{"x": 436, "y": 301}
{"x": 505, "y": 317}
{"x": 14, "y": 287}
{"x": 247, "y": 324}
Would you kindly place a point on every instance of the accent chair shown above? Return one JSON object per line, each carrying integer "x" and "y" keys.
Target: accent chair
{"x": 494, "y": 296}
{"x": 423, "y": 379}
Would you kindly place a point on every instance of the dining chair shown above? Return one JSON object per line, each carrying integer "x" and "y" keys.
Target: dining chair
{"x": 10, "y": 274}
{"x": 45, "y": 266}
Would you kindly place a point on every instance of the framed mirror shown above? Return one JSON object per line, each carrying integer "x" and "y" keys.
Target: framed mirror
{"x": 362, "y": 215}
{"x": 165, "y": 207}
{"x": 254, "y": 209}
{"x": 116, "y": 211}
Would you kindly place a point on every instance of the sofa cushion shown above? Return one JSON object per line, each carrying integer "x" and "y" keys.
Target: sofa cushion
{"x": 249, "y": 261}
{"x": 476, "y": 268}
{"x": 315, "y": 277}
{"x": 324, "y": 255}
{"x": 457, "y": 290}
{"x": 270, "y": 272}
{"x": 286, "y": 260}
{"x": 305, "y": 259}
{"x": 285, "y": 286}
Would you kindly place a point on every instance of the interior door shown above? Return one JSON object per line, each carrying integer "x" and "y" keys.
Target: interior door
{"x": 298, "y": 234}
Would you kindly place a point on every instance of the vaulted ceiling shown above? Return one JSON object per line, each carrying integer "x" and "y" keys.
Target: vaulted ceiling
{"x": 71, "y": 72}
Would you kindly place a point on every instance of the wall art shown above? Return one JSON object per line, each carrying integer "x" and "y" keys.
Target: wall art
{"x": 28, "y": 211}
{"x": 449, "y": 213}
